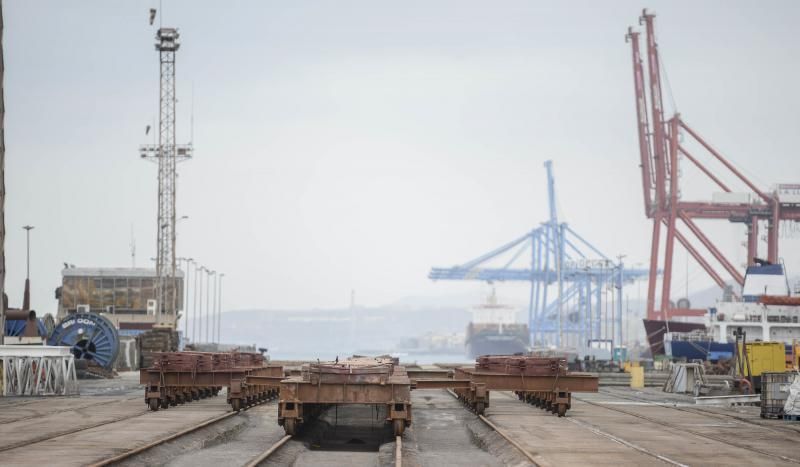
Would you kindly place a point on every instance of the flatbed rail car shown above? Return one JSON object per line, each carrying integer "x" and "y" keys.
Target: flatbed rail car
{"x": 542, "y": 381}
{"x": 368, "y": 381}
{"x": 180, "y": 377}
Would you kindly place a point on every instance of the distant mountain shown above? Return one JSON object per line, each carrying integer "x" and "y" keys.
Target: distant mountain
{"x": 325, "y": 334}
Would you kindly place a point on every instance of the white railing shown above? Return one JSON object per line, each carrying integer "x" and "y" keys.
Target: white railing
{"x": 34, "y": 370}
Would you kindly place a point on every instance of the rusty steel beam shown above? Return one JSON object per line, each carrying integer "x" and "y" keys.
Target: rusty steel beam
{"x": 728, "y": 165}
{"x": 699, "y": 258}
{"x": 573, "y": 382}
{"x": 703, "y": 168}
{"x": 210, "y": 378}
{"x": 669, "y": 244}
{"x": 443, "y": 383}
{"x": 642, "y": 122}
{"x": 429, "y": 374}
{"x": 295, "y": 390}
{"x": 713, "y": 249}
{"x": 272, "y": 381}
{"x": 657, "y": 108}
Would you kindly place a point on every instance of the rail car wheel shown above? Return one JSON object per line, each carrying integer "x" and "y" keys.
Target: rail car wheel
{"x": 562, "y": 410}
{"x": 236, "y": 405}
{"x": 164, "y": 403}
{"x": 153, "y": 403}
{"x": 399, "y": 426}
{"x": 290, "y": 426}
{"x": 480, "y": 407}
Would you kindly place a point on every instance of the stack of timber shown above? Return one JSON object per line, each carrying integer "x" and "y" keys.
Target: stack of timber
{"x": 158, "y": 339}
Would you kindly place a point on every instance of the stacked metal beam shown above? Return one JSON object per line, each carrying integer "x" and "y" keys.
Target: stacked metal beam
{"x": 180, "y": 377}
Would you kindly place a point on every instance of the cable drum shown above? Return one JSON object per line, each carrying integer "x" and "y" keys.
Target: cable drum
{"x": 92, "y": 337}
{"x": 16, "y": 327}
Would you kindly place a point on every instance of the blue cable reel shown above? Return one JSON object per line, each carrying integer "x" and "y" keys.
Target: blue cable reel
{"x": 92, "y": 337}
{"x": 15, "y": 327}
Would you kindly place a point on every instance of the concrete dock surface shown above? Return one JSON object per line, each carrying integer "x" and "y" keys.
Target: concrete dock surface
{"x": 616, "y": 426}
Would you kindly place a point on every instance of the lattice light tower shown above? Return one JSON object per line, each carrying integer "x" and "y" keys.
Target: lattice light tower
{"x": 167, "y": 153}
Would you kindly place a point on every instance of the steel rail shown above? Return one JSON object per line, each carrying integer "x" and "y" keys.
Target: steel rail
{"x": 48, "y": 437}
{"x": 140, "y": 449}
{"x": 69, "y": 409}
{"x": 398, "y": 451}
{"x": 264, "y": 455}
{"x": 510, "y": 440}
{"x": 42, "y": 439}
{"x": 505, "y": 436}
{"x": 617, "y": 439}
{"x": 698, "y": 411}
{"x": 696, "y": 433}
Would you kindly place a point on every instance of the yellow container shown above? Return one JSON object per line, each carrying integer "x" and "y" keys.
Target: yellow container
{"x": 766, "y": 357}
{"x": 637, "y": 377}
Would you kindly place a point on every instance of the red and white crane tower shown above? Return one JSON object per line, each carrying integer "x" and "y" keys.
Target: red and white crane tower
{"x": 660, "y": 148}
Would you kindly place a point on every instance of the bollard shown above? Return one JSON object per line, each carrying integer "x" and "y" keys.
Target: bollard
{"x": 637, "y": 377}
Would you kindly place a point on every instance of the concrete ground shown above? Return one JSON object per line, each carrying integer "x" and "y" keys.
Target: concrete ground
{"x": 625, "y": 427}
{"x": 617, "y": 426}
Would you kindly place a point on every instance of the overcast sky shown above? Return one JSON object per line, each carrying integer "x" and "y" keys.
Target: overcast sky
{"x": 355, "y": 144}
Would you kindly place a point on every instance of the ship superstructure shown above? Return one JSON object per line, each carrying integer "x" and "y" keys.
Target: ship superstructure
{"x": 767, "y": 310}
{"x": 495, "y": 331}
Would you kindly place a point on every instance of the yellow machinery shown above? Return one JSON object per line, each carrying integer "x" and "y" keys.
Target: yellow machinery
{"x": 793, "y": 359}
{"x": 765, "y": 357}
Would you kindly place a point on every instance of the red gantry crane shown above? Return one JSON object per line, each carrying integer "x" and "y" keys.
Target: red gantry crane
{"x": 661, "y": 143}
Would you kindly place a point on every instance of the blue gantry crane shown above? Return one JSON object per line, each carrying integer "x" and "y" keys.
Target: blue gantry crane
{"x": 569, "y": 278}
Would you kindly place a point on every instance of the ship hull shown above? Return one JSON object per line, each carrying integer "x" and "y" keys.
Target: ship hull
{"x": 493, "y": 339}
{"x": 655, "y": 331}
{"x": 495, "y": 347}
{"x": 699, "y": 350}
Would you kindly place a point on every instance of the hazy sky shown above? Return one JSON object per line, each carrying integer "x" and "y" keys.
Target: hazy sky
{"x": 355, "y": 144}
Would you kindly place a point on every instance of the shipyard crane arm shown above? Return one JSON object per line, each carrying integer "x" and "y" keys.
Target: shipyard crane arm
{"x": 552, "y": 254}
{"x": 659, "y": 150}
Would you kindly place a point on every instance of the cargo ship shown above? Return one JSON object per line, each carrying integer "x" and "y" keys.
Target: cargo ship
{"x": 768, "y": 310}
{"x": 494, "y": 330}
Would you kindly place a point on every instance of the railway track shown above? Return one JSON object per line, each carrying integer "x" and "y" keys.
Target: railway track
{"x": 685, "y": 429}
{"x": 270, "y": 451}
{"x": 140, "y": 449}
{"x": 528, "y": 455}
{"x": 68, "y": 409}
{"x": 716, "y": 415}
{"x": 48, "y": 437}
{"x": 274, "y": 448}
{"x": 158, "y": 442}
{"x": 124, "y": 418}
{"x": 609, "y": 436}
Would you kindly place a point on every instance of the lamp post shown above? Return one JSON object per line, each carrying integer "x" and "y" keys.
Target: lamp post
{"x": 26, "y": 300}
{"x": 214, "y": 312}
{"x": 219, "y": 308}
{"x": 209, "y": 273}
{"x": 194, "y": 303}
{"x": 200, "y": 309}
{"x": 185, "y": 307}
